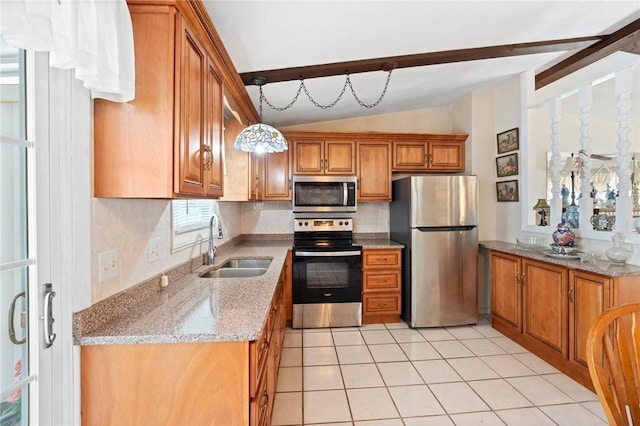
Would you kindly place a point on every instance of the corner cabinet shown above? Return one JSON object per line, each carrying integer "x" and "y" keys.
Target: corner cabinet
{"x": 548, "y": 308}
{"x": 167, "y": 142}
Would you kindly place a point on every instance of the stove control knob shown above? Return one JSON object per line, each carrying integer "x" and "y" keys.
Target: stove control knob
{"x": 346, "y": 222}
{"x": 306, "y": 224}
{"x": 299, "y": 223}
{"x": 340, "y": 223}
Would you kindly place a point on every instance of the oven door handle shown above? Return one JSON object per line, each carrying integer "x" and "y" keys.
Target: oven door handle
{"x": 327, "y": 253}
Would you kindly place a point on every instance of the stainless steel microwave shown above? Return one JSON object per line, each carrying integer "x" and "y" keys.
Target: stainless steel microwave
{"x": 324, "y": 194}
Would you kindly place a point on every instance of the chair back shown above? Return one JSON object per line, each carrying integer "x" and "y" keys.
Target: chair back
{"x": 613, "y": 356}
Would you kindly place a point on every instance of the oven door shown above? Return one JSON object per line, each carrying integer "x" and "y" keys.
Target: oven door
{"x": 327, "y": 276}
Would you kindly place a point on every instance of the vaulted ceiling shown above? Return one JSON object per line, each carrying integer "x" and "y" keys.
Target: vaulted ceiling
{"x": 439, "y": 50}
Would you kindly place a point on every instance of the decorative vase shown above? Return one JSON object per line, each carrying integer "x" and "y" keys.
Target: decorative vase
{"x": 563, "y": 235}
{"x": 620, "y": 252}
{"x": 571, "y": 216}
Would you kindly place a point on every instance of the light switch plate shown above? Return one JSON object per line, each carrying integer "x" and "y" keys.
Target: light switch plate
{"x": 154, "y": 249}
{"x": 107, "y": 265}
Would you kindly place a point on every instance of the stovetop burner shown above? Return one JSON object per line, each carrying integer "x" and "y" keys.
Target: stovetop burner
{"x": 323, "y": 234}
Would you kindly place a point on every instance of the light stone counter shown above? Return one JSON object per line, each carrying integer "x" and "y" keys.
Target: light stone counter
{"x": 190, "y": 309}
{"x": 378, "y": 243}
{"x": 601, "y": 266}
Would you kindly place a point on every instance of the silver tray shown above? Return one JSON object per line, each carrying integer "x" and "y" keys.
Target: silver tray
{"x": 561, "y": 256}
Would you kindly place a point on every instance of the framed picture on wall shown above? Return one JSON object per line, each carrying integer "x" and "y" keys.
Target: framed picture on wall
{"x": 507, "y": 165}
{"x": 508, "y": 141}
{"x": 507, "y": 190}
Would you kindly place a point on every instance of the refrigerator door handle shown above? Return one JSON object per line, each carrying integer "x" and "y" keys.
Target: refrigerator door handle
{"x": 445, "y": 228}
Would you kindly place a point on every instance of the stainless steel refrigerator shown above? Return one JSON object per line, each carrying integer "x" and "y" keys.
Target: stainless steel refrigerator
{"x": 435, "y": 217}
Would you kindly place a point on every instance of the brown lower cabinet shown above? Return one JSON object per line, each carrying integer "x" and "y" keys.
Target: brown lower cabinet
{"x": 548, "y": 308}
{"x": 381, "y": 285}
{"x": 226, "y": 383}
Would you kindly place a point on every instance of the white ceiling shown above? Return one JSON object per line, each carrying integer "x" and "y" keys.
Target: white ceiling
{"x": 266, "y": 34}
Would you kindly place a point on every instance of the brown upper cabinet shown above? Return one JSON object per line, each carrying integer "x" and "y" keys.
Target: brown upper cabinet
{"x": 270, "y": 177}
{"x": 374, "y": 170}
{"x": 433, "y": 153}
{"x": 323, "y": 157}
{"x": 167, "y": 143}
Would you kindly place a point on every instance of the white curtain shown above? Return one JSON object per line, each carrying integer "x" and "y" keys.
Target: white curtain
{"x": 93, "y": 37}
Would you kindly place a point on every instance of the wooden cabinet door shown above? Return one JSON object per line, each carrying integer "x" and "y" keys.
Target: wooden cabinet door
{"x": 308, "y": 157}
{"x": 270, "y": 178}
{"x": 409, "y": 156}
{"x": 213, "y": 130}
{"x": 277, "y": 177}
{"x": 340, "y": 157}
{"x": 374, "y": 171}
{"x": 588, "y": 298}
{"x": 545, "y": 305}
{"x": 446, "y": 156}
{"x": 506, "y": 291}
{"x": 191, "y": 141}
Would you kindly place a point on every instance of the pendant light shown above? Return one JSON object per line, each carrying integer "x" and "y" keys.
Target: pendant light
{"x": 260, "y": 137}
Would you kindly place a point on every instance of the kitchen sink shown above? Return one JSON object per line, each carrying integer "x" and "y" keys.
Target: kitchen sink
{"x": 234, "y": 272}
{"x": 247, "y": 263}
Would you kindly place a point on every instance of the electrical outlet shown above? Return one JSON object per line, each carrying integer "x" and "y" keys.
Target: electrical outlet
{"x": 154, "y": 249}
{"x": 107, "y": 265}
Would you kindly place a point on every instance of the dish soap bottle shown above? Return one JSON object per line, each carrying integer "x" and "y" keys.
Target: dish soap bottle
{"x": 620, "y": 252}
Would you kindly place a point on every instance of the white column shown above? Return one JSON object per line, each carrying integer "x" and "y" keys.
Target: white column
{"x": 624, "y": 201}
{"x": 555, "y": 112}
{"x": 585, "y": 102}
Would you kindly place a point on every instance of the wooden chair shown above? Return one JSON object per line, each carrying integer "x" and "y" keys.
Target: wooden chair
{"x": 613, "y": 355}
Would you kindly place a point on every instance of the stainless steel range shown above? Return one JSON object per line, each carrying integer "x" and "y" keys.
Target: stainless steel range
{"x": 327, "y": 274}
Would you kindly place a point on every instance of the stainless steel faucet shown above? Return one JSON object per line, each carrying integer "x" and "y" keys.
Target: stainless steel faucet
{"x": 212, "y": 248}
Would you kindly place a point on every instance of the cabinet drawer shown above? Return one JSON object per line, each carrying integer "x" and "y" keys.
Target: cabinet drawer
{"x": 381, "y": 280}
{"x": 382, "y": 303}
{"x": 259, "y": 406}
{"x": 258, "y": 351}
{"x": 380, "y": 259}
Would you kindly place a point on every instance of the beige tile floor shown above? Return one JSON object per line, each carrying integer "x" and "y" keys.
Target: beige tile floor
{"x": 392, "y": 375}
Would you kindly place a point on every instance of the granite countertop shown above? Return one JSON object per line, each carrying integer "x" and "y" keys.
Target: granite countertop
{"x": 600, "y": 266}
{"x": 191, "y": 309}
{"x": 378, "y": 243}
{"x": 194, "y": 309}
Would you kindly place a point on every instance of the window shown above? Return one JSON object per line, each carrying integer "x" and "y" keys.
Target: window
{"x": 190, "y": 222}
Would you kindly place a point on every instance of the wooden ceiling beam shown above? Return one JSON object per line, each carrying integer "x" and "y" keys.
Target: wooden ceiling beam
{"x": 420, "y": 59}
{"x": 627, "y": 38}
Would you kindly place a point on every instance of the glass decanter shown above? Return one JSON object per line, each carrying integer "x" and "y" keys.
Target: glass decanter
{"x": 620, "y": 252}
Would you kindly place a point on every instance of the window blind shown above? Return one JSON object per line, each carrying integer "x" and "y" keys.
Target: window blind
{"x": 191, "y": 215}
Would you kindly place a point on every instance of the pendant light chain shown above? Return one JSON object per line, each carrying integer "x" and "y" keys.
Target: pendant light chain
{"x": 347, "y": 83}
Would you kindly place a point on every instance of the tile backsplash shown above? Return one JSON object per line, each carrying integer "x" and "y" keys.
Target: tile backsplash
{"x": 128, "y": 225}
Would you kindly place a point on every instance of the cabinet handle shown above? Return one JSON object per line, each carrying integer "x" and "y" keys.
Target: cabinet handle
{"x": 523, "y": 280}
{"x": 518, "y": 277}
{"x": 570, "y": 292}
{"x": 265, "y": 346}
{"x": 265, "y": 403}
{"x": 429, "y": 158}
{"x": 207, "y": 161}
{"x": 326, "y": 164}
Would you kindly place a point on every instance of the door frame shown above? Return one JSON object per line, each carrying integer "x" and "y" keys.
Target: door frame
{"x": 63, "y": 196}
